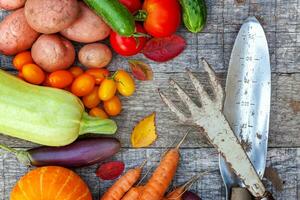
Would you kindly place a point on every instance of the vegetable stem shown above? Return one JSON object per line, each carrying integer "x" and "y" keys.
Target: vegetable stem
{"x": 140, "y": 16}
{"x": 90, "y": 124}
{"x": 23, "y": 156}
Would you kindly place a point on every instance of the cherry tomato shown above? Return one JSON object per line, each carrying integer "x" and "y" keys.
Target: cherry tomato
{"x": 60, "y": 78}
{"x": 125, "y": 83}
{"x": 128, "y": 46}
{"x": 163, "y": 17}
{"x": 98, "y": 112}
{"x": 47, "y": 81}
{"x": 83, "y": 85}
{"x": 76, "y": 71}
{"x": 113, "y": 106}
{"x": 33, "y": 74}
{"x": 22, "y": 59}
{"x": 91, "y": 100}
{"x": 98, "y": 74}
{"x": 107, "y": 89}
{"x": 132, "y": 5}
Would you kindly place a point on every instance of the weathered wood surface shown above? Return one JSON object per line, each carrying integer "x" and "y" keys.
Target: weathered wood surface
{"x": 281, "y": 21}
{"x": 193, "y": 161}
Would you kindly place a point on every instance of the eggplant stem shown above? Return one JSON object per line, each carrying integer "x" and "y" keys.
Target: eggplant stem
{"x": 9, "y": 149}
{"x": 90, "y": 124}
{"x": 23, "y": 156}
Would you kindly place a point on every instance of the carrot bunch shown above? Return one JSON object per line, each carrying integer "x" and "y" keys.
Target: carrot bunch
{"x": 157, "y": 185}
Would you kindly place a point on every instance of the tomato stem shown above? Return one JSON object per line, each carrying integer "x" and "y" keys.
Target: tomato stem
{"x": 140, "y": 15}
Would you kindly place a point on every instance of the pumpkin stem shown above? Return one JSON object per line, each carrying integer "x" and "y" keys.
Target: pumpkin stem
{"x": 90, "y": 124}
{"x": 22, "y": 156}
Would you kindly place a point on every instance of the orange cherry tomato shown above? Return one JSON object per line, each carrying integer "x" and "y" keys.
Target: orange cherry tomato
{"x": 60, "y": 78}
{"x": 33, "y": 74}
{"x": 76, "y": 71}
{"x": 83, "y": 85}
{"x": 98, "y": 74}
{"x": 91, "y": 100}
{"x": 113, "y": 106}
{"x": 107, "y": 89}
{"x": 125, "y": 84}
{"x": 22, "y": 59}
{"x": 98, "y": 112}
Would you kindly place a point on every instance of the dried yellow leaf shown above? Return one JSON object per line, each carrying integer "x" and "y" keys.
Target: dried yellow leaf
{"x": 144, "y": 133}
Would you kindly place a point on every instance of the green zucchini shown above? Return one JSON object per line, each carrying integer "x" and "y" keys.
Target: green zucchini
{"x": 45, "y": 115}
{"x": 194, "y": 14}
{"x": 114, "y": 14}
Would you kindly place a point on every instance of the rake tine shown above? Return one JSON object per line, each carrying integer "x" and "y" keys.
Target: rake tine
{"x": 173, "y": 108}
{"x": 216, "y": 86}
{"x": 203, "y": 96}
{"x": 184, "y": 97}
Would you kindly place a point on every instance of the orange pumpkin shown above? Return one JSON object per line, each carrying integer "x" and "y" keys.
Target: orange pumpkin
{"x": 49, "y": 183}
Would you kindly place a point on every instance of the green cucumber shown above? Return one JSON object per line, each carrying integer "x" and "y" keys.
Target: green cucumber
{"x": 194, "y": 14}
{"x": 115, "y": 15}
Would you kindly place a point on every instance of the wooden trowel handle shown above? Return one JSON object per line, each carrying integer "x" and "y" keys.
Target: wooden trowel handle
{"x": 238, "y": 193}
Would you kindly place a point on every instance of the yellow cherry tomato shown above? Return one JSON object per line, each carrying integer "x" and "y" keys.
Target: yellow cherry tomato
{"x": 107, "y": 89}
{"x": 83, "y": 85}
{"x": 33, "y": 74}
{"x": 125, "y": 83}
{"x": 113, "y": 106}
{"x": 91, "y": 100}
{"x": 98, "y": 112}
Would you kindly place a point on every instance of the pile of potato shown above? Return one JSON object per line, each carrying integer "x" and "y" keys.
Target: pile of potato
{"x": 46, "y": 26}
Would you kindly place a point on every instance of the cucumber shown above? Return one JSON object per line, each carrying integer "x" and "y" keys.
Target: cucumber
{"x": 115, "y": 15}
{"x": 45, "y": 115}
{"x": 194, "y": 14}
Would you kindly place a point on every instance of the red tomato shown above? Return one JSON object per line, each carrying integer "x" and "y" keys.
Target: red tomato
{"x": 163, "y": 17}
{"x": 132, "y": 5}
{"x": 128, "y": 46}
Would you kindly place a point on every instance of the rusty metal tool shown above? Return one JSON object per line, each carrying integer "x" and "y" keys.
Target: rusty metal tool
{"x": 211, "y": 118}
{"x": 247, "y": 102}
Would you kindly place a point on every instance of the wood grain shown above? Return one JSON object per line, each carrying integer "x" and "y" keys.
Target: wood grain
{"x": 193, "y": 161}
{"x": 281, "y": 21}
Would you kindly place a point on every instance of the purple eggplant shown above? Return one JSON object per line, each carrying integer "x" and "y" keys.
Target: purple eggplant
{"x": 80, "y": 153}
{"x": 188, "y": 195}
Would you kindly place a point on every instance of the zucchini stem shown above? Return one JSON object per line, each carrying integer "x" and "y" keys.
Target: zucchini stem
{"x": 140, "y": 15}
{"x": 23, "y": 156}
{"x": 90, "y": 124}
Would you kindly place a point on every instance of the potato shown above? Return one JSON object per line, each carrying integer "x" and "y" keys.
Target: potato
{"x": 11, "y": 4}
{"x": 95, "y": 55}
{"x": 88, "y": 27}
{"x": 15, "y": 33}
{"x": 53, "y": 52}
{"x": 51, "y": 16}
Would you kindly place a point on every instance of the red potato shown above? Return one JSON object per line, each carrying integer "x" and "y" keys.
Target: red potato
{"x": 15, "y": 34}
{"x": 88, "y": 27}
{"x": 95, "y": 55}
{"x": 53, "y": 52}
{"x": 11, "y": 4}
{"x": 51, "y": 16}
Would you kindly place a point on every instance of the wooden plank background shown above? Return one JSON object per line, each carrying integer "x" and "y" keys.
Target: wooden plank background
{"x": 281, "y": 21}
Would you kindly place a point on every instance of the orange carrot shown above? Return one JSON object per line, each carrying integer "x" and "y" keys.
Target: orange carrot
{"x": 162, "y": 176}
{"x": 134, "y": 193}
{"x": 177, "y": 193}
{"x": 121, "y": 186}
